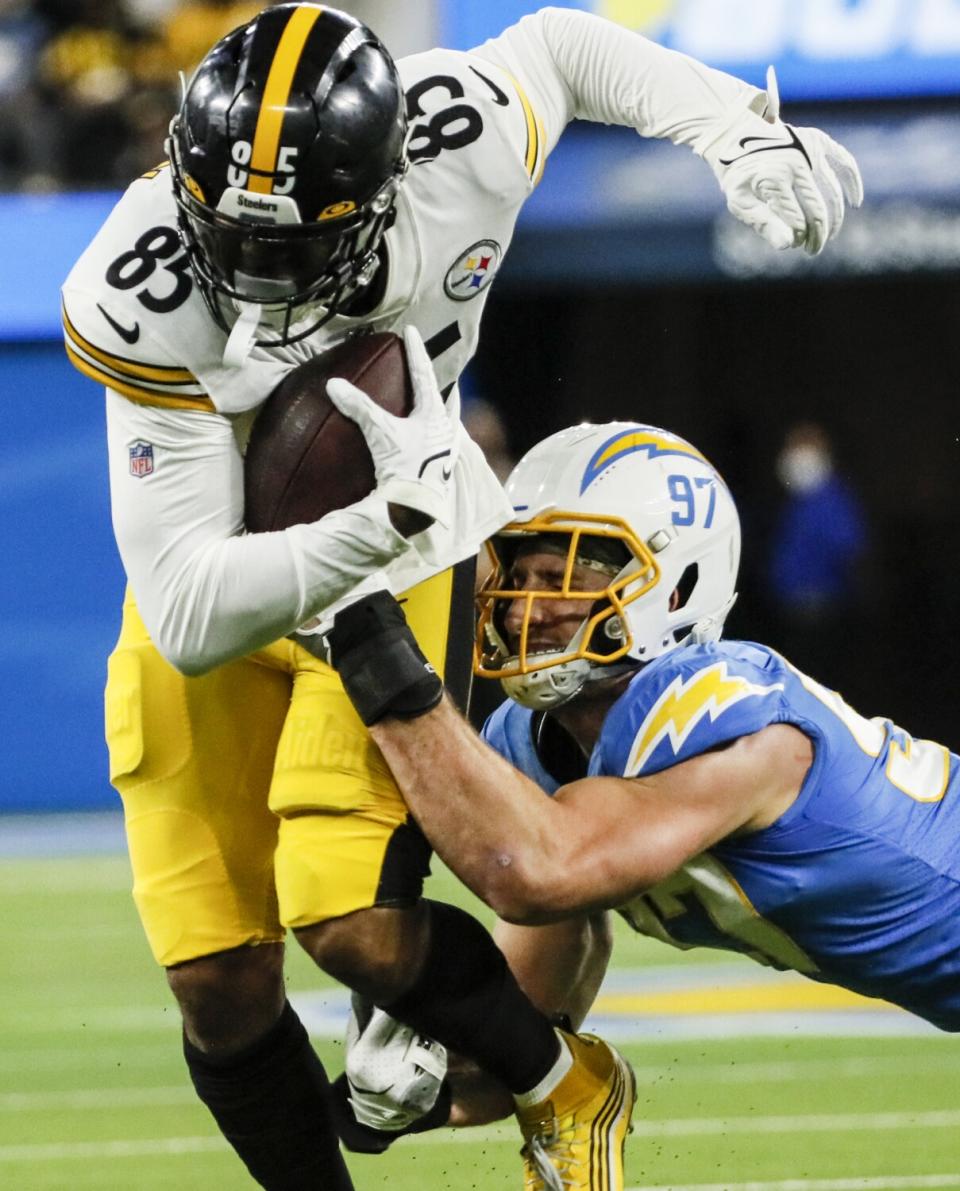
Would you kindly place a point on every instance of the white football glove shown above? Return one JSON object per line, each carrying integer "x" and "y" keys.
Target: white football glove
{"x": 788, "y": 184}
{"x": 413, "y": 457}
{"x": 394, "y": 1074}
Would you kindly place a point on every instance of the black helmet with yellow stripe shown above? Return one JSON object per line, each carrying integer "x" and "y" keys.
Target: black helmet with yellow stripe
{"x": 287, "y": 155}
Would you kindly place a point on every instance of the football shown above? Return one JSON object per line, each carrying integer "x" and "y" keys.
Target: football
{"x": 304, "y": 457}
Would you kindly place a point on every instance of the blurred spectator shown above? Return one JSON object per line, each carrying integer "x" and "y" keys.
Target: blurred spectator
{"x": 88, "y": 72}
{"x": 87, "y": 87}
{"x": 817, "y": 551}
{"x": 26, "y": 136}
{"x": 193, "y": 26}
{"x": 486, "y": 427}
{"x": 22, "y": 31}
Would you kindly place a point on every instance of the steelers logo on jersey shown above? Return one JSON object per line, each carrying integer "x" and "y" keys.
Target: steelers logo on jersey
{"x": 473, "y": 271}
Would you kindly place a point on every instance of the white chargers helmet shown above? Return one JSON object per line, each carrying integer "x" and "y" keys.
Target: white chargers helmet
{"x": 638, "y": 504}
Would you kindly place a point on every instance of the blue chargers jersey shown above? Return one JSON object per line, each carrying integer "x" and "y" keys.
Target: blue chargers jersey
{"x": 856, "y": 884}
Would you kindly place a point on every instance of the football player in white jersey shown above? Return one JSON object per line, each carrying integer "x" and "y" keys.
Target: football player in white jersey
{"x": 315, "y": 190}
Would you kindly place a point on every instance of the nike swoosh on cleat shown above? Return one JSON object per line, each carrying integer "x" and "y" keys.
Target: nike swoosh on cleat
{"x": 124, "y": 332}
{"x": 793, "y": 143}
{"x": 498, "y": 96}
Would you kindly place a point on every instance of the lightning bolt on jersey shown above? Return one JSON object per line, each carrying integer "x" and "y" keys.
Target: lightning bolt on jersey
{"x": 856, "y": 884}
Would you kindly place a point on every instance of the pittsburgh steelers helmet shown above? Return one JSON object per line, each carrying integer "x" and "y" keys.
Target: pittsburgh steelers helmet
{"x": 646, "y": 510}
{"x": 287, "y": 155}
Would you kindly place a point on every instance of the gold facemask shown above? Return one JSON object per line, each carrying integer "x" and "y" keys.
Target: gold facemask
{"x": 493, "y": 657}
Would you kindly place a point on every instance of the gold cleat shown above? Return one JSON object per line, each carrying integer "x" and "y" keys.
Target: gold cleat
{"x": 575, "y": 1138}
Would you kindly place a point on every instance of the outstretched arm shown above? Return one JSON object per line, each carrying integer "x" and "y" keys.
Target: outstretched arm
{"x": 790, "y": 185}
{"x": 598, "y": 842}
{"x": 575, "y": 65}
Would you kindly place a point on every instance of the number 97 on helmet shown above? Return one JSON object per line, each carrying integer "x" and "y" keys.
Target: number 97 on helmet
{"x": 655, "y": 525}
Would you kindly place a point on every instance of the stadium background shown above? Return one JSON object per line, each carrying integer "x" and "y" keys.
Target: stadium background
{"x": 627, "y": 293}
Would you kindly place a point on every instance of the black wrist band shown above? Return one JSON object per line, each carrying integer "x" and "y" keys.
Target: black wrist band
{"x": 380, "y": 664}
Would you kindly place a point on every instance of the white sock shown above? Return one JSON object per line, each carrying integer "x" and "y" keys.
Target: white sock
{"x": 550, "y": 1080}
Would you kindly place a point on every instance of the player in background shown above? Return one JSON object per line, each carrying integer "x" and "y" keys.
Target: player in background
{"x": 705, "y": 789}
{"x": 316, "y": 189}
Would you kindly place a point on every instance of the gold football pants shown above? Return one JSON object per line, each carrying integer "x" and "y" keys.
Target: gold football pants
{"x": 254, "y": 798}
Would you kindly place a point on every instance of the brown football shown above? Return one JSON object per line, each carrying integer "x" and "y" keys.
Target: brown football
{"x": 304, "y": 457}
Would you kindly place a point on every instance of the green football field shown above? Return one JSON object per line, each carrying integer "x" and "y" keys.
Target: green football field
{"x": 93, "y": 1093}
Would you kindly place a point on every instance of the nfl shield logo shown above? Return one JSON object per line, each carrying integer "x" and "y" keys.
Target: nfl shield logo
{"x": 141, "y": 459}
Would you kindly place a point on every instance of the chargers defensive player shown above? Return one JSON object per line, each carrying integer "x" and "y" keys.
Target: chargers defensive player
{"x": 315, "y": 190}
{"x": 706, "y": 789}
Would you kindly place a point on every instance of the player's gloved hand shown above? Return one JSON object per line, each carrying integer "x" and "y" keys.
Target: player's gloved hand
{"x": 413, "y": 457}
{"x": 380, "y": 664}
{"x": 789, "y": 184}
{"x": 394, "y": 1082}
{"x": 394, "y": 1073}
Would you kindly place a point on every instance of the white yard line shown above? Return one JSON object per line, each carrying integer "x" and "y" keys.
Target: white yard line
{"x": 11, "y": 1102}
{"x": 774, "y": 1071}
{"x": 94, "y": 1067}
{"x": 712, "y": 1126}
{"x": 812, "y": 1123}
{"x": 883, "y": 1183}
{"x": 792, "y": 1070}
{"x": 693, "y": 1126}
{"x": 96, "y": 1098}
{"x": 98, "y": 1150}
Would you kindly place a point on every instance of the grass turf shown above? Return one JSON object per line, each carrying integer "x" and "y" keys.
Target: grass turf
{"x": 93, "y": 1093}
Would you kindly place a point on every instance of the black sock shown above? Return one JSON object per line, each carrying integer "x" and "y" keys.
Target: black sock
{"x": 272, "y": 1103}
{"x": 467, "y": 998}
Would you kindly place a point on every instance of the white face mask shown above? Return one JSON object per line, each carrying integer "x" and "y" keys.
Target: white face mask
{"x": 803, "y": 468}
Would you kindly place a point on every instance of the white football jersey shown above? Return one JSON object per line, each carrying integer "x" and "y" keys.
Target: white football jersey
{"x": 482, "y": 124}
{"x": 135, "y": 320}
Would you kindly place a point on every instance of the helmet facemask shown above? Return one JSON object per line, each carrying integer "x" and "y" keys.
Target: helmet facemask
{"x": 609, "y": 549}
{"x": 641, "y": 490}
{"x": 287, "y": 158}
{"x": 298, "y": 274}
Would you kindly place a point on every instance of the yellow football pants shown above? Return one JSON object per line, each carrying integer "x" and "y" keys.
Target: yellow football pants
{"x": 254, "y": 798}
